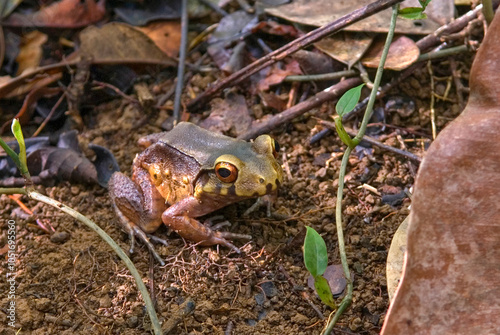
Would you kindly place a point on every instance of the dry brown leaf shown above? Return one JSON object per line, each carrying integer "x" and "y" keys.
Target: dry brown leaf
{"x": 320, "y": 12}
{"x": 277, "y": 75}
{"x": 23, "y": 84}
{"x": 346, "y": 47}
{"x": 165, "y": 34}
{"x": 62, "y": 14}
{"x": 230, "y": 114}
{"x": 402, "y": 53}
{"x": 450, "y": 282}
{"x": 119, "y": 42}
{"x": 30, "y": 53}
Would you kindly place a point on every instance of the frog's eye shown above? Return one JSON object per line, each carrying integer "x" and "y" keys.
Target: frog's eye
{"x": 226, "y": 172}
{"x": 276, "y": 148}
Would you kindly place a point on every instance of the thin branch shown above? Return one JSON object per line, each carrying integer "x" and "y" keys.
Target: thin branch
{"x": 321, "y": 77}
{"x": 182, "y": 61}
{"x": 377, "y": 143}
{"x": 331, "y": 93}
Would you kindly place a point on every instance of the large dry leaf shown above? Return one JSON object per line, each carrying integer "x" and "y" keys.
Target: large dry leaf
{"x": 346, "y": 47}
{"x": 62, "y": 14}
{"x": 451, "y": 279}
{"x": 115, "y": 42}
{"x": 320, "y": 12}
{"x": 402, "y": 53}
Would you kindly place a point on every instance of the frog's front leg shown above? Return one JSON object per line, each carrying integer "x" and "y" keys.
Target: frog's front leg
{"x": 177, "y": 217}
{"x": 138, "y": 205}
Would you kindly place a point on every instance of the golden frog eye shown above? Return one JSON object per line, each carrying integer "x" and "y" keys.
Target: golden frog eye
{"x": 226, "y": 172}
{"x": 276, "y": 148}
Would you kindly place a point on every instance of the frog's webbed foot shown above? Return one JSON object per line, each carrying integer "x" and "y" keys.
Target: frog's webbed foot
{"x": 264, "y": 200}
{"x": 134, "y": 231}
{"x": 223, "y": 236}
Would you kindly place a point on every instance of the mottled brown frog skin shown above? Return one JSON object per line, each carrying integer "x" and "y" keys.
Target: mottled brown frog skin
{"x": 189, "y": 172}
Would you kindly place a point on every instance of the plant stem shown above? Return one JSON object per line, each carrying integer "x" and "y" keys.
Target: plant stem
{"x": 378, "y": 76}
{"x": 128, "y": 263}
{"x": 320, "y": 77}
{"x": 346, "y": 301}
{"x": 488, "y": 11}
{"x": 13, "y": 190}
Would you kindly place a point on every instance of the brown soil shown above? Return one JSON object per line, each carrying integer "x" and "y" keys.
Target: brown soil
{"x": 79, "y": 286}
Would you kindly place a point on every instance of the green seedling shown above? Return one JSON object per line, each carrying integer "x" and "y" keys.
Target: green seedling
{"x": 316, "y": 261}
{"x": 346, "y": 103}
{"x": 414, "y": 13}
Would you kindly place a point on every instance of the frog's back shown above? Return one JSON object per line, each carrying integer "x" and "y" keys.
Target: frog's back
{"x": 197, "y": 142}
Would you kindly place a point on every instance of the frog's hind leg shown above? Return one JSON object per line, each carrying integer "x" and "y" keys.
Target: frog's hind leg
{"x": 176, "y": 218}
{"x": 138, "y": 207}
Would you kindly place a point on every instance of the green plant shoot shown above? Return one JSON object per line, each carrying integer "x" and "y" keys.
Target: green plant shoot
{"x": 415, "y": 13}
{"x": 316, "y": 261}
{"x": 346, "y": 103}
{"x": 19, "y": 159}
{"x": 18, "y": 134}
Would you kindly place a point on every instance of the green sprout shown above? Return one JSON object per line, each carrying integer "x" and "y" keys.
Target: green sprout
{"x": 316, "y": 261}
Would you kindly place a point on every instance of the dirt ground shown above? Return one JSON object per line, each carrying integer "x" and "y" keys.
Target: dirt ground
{"x": 75, "y": 284}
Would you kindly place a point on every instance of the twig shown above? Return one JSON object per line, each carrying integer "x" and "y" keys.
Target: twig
{"x": 116, "y": 90}
{"x": 320, "y": 77}
{"x": 433, "y": 98}
{"x": 443, "y": 53}
{"x": 328, "y": 94}
{"x": 49, "y": 116}
{"x": 379, "y": 144}
{"x": 182, "y": 62}
{"x": 290, "y": 48}
{"x": 458, "y": 83}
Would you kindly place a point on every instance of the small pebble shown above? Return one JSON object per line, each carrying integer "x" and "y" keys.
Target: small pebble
{"x": 59, "y": 237}
{"x": 75, "y": 190}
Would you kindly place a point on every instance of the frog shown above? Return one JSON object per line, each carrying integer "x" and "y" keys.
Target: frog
{"x": 189, "y": 172}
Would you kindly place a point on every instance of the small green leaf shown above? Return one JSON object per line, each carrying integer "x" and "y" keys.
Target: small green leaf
{"x": 11, "y": 153}
{"x": 315, "y": 255}
{"x": 324, "y": 292}
{"x": 18, "y": 134}
{"x": 412, "y": 13}
{"x": 348, "y": 100}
